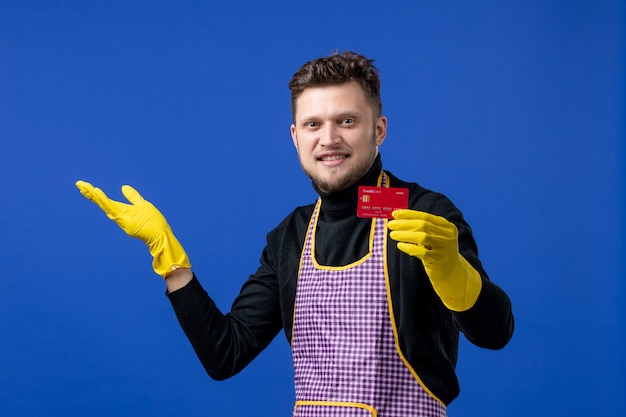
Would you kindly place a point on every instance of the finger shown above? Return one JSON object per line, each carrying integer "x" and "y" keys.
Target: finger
{"x": 110, "y": 207}
{"x": 412, "y": 224}
{"x": 413, "y": 250}
{"x": 421, "y": 221}
{"x": 131, "y": 194}
{"x": 408, "y": 214}
{"x": 416, "y": 238}
{"x": 98, "y": 197}
{"x": 424, "y": 226}
{"x": 88, "y": 191}
{"x": 430, "y": 242}
{"x": 84, "y": 187}
{"x": 419, "y": 215}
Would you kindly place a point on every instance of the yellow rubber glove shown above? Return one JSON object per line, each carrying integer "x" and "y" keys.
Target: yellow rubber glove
{"x": 434, "y": 240}
{"x": 142, "y": 220}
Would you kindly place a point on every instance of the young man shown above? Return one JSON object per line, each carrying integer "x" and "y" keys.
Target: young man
{"x": 371, "y": 307}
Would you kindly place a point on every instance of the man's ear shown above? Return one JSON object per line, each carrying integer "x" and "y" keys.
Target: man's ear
{"x": 294, "y": 136}
{"x": 381, "y": 130}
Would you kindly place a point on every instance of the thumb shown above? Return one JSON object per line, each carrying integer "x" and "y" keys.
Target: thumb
{"x": 131, "y": 194}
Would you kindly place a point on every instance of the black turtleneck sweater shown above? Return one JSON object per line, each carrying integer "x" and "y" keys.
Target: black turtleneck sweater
{"x": 428, "y": 331}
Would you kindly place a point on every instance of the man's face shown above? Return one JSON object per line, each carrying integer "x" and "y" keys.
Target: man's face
{"x": 336, "y": 134}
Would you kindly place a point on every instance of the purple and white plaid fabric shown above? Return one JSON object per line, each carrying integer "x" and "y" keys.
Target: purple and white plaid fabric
{"x": 344, "y": 353}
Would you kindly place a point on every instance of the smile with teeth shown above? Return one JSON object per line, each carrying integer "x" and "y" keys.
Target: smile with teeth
{"x": 332, "y": 157}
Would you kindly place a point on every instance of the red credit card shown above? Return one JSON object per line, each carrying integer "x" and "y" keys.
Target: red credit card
{"x": 381, "y": 202}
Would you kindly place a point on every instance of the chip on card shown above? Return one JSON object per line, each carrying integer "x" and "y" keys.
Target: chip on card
{"x": 380, "y": 201}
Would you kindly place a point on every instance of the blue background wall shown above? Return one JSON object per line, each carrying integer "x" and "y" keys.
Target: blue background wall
{"x": 514, "y": 109}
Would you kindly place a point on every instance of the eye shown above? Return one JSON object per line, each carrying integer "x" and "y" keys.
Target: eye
{"x": 347, "y": 121}
{"x": 311, "y": 124}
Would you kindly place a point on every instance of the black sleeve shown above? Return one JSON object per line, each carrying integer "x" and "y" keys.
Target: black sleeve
{"x": 489, "y": 323}
{"x": 226, "y": 343}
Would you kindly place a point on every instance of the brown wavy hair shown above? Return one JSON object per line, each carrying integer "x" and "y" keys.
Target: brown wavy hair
{"x": 338, "y": 68}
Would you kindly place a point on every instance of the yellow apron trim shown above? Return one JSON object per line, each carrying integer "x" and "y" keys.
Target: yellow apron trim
{"x": 336, "y": 404}
{"x": 293, "y": 317}
{"x": 342, "y": 267}
{"x": 312, "y": 226}
{"x": 355, "y": 263}
{"x": 313, "y": 223}
{"x": 394, "y": 327}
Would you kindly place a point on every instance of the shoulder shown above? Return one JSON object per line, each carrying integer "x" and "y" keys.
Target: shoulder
{"x": 297, "y": 216}
{"x": 284, "y": 244}
{"x": 293, "y": 225}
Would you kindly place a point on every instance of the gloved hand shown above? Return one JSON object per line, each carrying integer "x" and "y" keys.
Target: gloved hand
{"x": 142, "y": 220}
{"x": 434, "y": 240}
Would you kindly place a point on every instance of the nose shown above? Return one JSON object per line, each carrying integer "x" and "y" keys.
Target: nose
{"x": 329, "y": 135}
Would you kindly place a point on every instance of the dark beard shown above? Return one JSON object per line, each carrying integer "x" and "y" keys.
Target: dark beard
{"x": 352, "y": 176}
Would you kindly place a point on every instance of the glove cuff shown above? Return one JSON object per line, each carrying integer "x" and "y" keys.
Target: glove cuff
{"x": 460, "y": 289}
{"x": 168, "y": 255}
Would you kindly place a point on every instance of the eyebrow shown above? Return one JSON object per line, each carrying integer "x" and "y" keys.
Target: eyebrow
{"x": 344, "y": 114}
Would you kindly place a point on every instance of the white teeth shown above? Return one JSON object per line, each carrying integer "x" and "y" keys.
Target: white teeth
{"x": 332, "y": 157}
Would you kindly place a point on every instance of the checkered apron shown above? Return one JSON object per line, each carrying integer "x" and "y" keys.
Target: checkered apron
{"x": 345, "y": 357}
